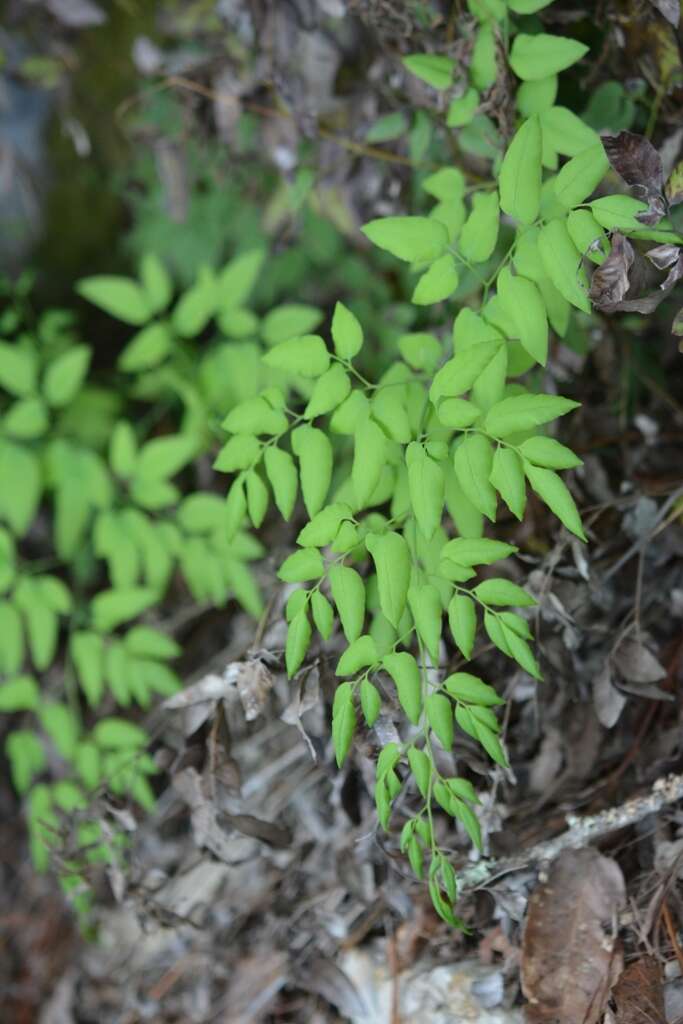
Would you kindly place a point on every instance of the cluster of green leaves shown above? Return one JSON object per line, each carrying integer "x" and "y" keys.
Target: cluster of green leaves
{"x": 400, "y": 475}
{"x": 103, "y": 527}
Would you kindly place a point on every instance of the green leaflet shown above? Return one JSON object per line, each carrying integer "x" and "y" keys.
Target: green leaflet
{"x": 440, "y": 716}
{"x": 404, "y": 670}
{"x": 359, "y": 654}
{"x": 519, "y": 179}
{"x": 425, "y": 607}
{"x": 554, "y": 492}
{"x": 426, "y": 483}
{"x": 507, "y": 476}
{"x": 534, "y": 57}
{"x": 523, "y": 303}
{"x": 393, "y": 565}
{"x": 65, "y": 375}
{"x": 562, "y": 262}
{"x": 503, "y": 592}
{"x": 476, "y": 551}
{"x": 432, "y": 68}
{"x": 618, "y": 213}
{"x": 329, "y": 391}
{"x": 306, "y": 355}
{"x": 587, "y": 235}
{"x": 462, "y": 110}
{"x": 471, "y": 689}
{"x": 369, "y": 456}
{"x": 446, "y": 184}
{"x": 283, "y": 478}
{"x": 483, "y": 67}
{"x": 480, "y": 231}
{"x": 348, "y": 592}
{"x": 524, "y": 412}
{"x": 306, "y": 564}
{"x": 462, "y": 620}
{"x": 473, "y": 462}
{"x": 459, "y": 373}
{"x": 421, "y": 767}
{"x": 298, "y": 640}
{"x": 579, "y": 178}
{"x": 118, "y": 296}
{"x": 566, "y": 133}
{"x": 534, "y": 97}
{"x": 343, "y": 721}
{"x": 370, "y": 702}
{"x": 347, "y": 333}
{"x": 414, "y": 239}
{"x": 548, "y": 453}
{"x": 437, "y": 283}
{"x": 314, "y": 452}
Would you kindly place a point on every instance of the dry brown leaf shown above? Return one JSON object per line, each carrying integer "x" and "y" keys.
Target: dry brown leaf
{"x": 638, "y": 995}
{"x": 568, "y": 948}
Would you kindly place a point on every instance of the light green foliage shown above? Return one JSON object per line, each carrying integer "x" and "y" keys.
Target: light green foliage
{"x": 403, "y": 474}
{"x": 402, "y": 462}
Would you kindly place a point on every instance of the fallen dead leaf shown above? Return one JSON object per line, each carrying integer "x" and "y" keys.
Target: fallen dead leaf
{"x": 638, "y": 995}
{"x": 569, "y": 955}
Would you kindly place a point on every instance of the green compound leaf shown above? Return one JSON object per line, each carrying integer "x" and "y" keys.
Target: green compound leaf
{"x": 413, "y": 239}
{"x": 431, "y": 68}
{"x": 579, "y": 178}
{"x": 348, "y": 592}
{"x": 462, "y": 620}
{"x": 298, "y": 640}
{"x": 522, "y": 302}
{"x": 548, "y": 453}
{"x": 554, "y": 492}
{"x": 459, "y": 373}
{"x": 405, "y": 673}
{"x": 507, "y": 476}
{"x": 524, "y": 412}
{"x": 303, "y": 565}
{"x": 283, "y": 478}
{"x": 473, "y": 462}
{"x": 347, "y": 333}
{"x": 343, "y": 721}
{"x": 314, "y": 452}
{"x": 369, "y": 457}
{"x": 440, "y": 717}
{"x": 503, "y": 592}
{"x": 520, "y": 173}
{"x": 359, "y": 654}
{"x": 306, "y": 355}
{"x": 370, "y": 702}
{"x": 391, "y": 556}
{"x": 534, "y": 57}
{"x": 437, "y": 283}
{"x": 480, "y": 231}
